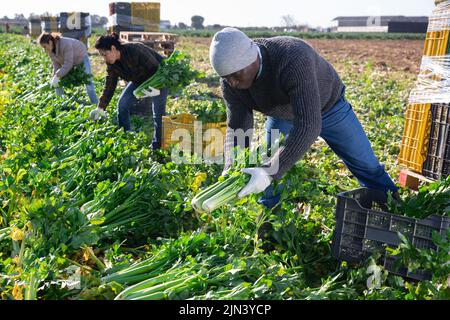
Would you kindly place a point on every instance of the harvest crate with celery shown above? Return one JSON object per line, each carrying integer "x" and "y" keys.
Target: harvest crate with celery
{"x": 85, "y": 198}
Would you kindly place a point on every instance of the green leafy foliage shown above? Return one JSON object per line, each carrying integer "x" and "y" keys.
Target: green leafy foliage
{"x": 431, "y": 199}
{"x": 88, "y": 211}
{"x": 76, "y": 77}
{"x": 198, "y": 100}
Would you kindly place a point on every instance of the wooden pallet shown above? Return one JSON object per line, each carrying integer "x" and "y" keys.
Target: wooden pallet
{"x": 412, "y": 180}
{"x": 157, "y": 40}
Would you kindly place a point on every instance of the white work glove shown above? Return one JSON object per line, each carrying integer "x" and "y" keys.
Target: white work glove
{"x": 259, "y": 181}
{"x": 150, "y": 92}
{"x": 97, "y": 114}
{"x": 55, "y": 81}
{"x": 225, "y": 172}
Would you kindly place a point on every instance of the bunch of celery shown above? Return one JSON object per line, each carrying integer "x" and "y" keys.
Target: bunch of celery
{"x": 220, "y": 193}
{"x": 174, "y": 72}
{"x": 76, "y": 77}
{"x": 4, "y": 233}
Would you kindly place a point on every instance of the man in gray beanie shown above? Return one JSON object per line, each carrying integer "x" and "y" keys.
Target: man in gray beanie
{"x": 231, "y": 42}
{"x": 302, "y": 96}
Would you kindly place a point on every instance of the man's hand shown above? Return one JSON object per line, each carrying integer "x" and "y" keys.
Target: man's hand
{"x": 259, "y": 181}
{"x": 55, "y": 81}
{"x": 97, "y": 114}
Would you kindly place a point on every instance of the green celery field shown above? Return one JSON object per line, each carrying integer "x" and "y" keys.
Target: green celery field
{"x": 90, "y": 212}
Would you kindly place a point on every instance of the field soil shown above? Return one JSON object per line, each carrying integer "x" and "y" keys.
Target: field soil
{"x": 390, "y": 55}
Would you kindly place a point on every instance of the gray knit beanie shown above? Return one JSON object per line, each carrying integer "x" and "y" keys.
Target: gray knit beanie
{"x": 231, "y": 50}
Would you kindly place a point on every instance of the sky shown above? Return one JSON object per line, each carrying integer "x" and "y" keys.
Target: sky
{"x": 243, "y": 13}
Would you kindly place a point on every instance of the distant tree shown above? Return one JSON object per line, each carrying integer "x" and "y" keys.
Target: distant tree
{"x": 182, "y": 25}
{"x": 19, "y": 16}
{"x": 32, "y": 16}
{"x": 103, "y": 20}
{"x": 289, "y": 21}
{"x": 197, "y": 22}
{"x": 95, "y": 18}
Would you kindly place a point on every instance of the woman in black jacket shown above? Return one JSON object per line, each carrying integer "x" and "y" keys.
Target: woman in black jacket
{"x": 135, "y": 63}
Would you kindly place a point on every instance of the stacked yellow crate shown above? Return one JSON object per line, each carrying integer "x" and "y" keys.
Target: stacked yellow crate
{"x": 134, "y": 16}
{"x": 415, "y": 136}
{"x": 50, "y": 24}
{"x": 35, "y": 27}
{"x": 413, "y": 151}
{"x": 210, "y": 135}
{"x": 146, "y": 14}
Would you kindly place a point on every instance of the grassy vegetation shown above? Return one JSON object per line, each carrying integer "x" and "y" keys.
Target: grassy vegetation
{"x": 13, "y": 29}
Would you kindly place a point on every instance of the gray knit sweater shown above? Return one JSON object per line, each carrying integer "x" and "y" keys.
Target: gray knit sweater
{"x": 296, "y": 84}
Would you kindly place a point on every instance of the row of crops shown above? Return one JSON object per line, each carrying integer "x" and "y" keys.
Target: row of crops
{"x": 90, "y": 212}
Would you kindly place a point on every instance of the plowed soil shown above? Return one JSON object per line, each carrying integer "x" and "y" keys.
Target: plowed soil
{"x": 390, "y": 55}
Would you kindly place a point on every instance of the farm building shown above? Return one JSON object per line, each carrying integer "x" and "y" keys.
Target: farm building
{"x": 382, "y": 24}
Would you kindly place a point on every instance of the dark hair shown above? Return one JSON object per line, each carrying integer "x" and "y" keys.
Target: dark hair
{"x": 107, "y": 41}
{"x": 46, "y": 37}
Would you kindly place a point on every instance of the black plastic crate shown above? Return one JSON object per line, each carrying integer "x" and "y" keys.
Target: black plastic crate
{"x": 363, "y": 227}
{"x": 120, "y": 8}
{"x": 67, "y": 19}
{"x": 437, "y": 163}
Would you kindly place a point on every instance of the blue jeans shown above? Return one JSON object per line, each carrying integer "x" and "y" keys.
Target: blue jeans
{"x": 127, "y": 99}
{"x": 90, "y": 89}
{"x": 344, "y": 134}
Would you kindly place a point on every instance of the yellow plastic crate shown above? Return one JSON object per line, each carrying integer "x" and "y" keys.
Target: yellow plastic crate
{"x": 147, "y": 14}
{"x": 151, "y": 27}
{"x": 413, "y": 149}
{"x": 49, "y": 24}
{"x": 436, "y": 43}
{"x": 211, "y": 134}
{"x": 35, "y": 28}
